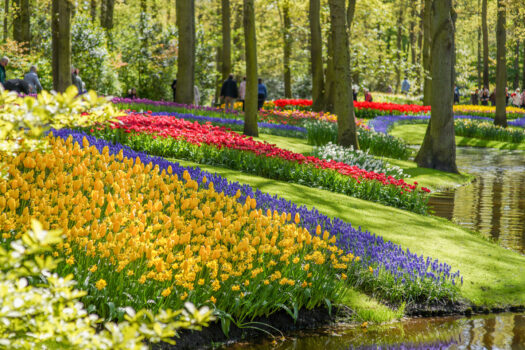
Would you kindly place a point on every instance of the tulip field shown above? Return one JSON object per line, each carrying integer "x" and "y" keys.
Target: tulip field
{"x": 141, "y": 231}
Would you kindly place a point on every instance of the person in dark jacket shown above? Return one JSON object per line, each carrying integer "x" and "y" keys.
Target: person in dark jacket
{"x": 262, "y": 93}
{"x": 18, "y": 85}
{"x": 174, "y": 88}
{"x": 484, "y": 98}
{"x": 3, "y": 63}
{"x": 229, "y": 93}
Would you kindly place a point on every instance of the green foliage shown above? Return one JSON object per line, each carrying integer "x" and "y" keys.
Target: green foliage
{"x": 40, "y": 309}
{"x": 321, "y": 133}
{"x": 488, "y": 131}
{"x": 23, "y": 120}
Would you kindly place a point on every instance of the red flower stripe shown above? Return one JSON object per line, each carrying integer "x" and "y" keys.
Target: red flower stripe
{"x": 380, "y": 106}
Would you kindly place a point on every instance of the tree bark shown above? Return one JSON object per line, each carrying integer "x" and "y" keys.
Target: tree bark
{"x": 287, "y": 49}
{"x": 103, "y": 10}
{"x": 93, "y": 10}
{"x": 226, "y": 39}
{"x": 438, "y": 150}
{"x": 185, "y": 14}
{"x": 516, "y": 82}
{"x": 399, "y": 32}
{"x": 61, "y": 44}
{"x": 343, "y": 103}
{"x": 250, "y": 44}
{"x": 413, "y": 37}
{"x": 110, "y": 10}
{"x": 427, "y": 58}
{"x": 21, "y": 22}
{"x": 501, "y": 65}
{"x": 6, "y": 16}
{"x": 523, "y": 73}
{"x": 478, "y": 66}
{"x": 316, "y": 55}
{"x": 485, "y": 30}
{"x": 329, "y": 97}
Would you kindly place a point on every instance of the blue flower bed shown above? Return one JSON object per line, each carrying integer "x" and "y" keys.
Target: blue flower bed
{"x": 384, "y": 123}
{"x": 399, "y": 275}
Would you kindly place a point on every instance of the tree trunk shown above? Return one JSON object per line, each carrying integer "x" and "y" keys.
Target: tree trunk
{"x": 479, "y": 68}
{"x": 516, "y": 82}
{"x": 343, "y": 103}
{"x": 250, "y": 44}
{"x": 103, "y": 10}
{"x": 485, "y": 30}
{"x": 316, "y": 54}
{"x": 501, "y": 65}
{"x": 329, "y": 97}
{"x": 61, "y": 44}
{"x": 110, "y": 9}
{"x": 185, "y": 14}
{"x": 413, "y": 36}
{"x": 287, "y": 49}
{"x": 226, "y": 39}
{"x": 438, "y": 150}
{"x": 399, "y": 24}
{"x": 6, "y": 16}
{"x": 21, "y": 23}
{"x": 523, "y": 73}
{"x": 427, "y": 58}
{"x": 93, "y": 10}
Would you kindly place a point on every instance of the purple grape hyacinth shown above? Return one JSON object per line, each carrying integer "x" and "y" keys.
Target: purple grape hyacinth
{"x": 384, "y": 123}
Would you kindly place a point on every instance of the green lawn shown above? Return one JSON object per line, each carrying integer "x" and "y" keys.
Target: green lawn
{"x": 413, "y": 134}
{"x": 494, "y": 276}
{"x": 435, "y": 180}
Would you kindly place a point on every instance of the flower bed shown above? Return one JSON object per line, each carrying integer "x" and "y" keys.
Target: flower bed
{"x": 398, "y": 274}
{"x": 488, "y": 131}
{"x": 487, "y": 111}
{"x": 167, "y": 136}
{"x": 384, "y": 123}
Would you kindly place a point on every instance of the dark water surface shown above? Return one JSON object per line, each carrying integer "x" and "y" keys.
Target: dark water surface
{"x": 495, "y": 203}
{"x": 503, "y": 331}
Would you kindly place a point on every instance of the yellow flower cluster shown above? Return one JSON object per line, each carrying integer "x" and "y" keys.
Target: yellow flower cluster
{"x": 479, "y": 109}
{"x": 125, "y": 218}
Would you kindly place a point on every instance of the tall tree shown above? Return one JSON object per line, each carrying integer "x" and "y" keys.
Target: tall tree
{"x": 343, "y": 102}
{"x": 316, "y": 55}
{"x": 501, "y": 65}
{"x": 427, "y": 58}
{"x": 516, "y": 82}
{"x": 330, "y": 78}
{"x": 21, "y": 21}
{"x": 61, "y": 44}
{"x": 93, "y": 10}
{"x": 413, "y": 34}
{"x": 287, "y": 49}
{"x": 250, "y": 100}
{"x": 485, "y": 30}
{"x": 478, "y": 66}
{"x": 226, "y": 39}
{"x": 185, "y": 13}
{"x": 438, "y": 150}
{"x": 6, "y": 16}
{"x": 399, "y": 34}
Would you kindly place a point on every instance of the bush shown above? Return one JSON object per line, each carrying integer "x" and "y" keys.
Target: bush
{"x": 488, "y": 131}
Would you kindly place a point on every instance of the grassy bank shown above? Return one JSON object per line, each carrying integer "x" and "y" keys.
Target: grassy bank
{"x": 493, "y": 276}
{"x": 435, "y": 180}
{"x": 413, "y": 134}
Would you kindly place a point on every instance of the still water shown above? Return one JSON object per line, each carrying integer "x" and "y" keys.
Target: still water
{"x": 494, "y": 204}
{"x": 503, "y": 331}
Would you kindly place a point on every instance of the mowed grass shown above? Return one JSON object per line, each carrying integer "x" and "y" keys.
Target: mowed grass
{"x": 493, "y": 276}
{"x": 435, "y": 180}
{"x": 413, "y": 134}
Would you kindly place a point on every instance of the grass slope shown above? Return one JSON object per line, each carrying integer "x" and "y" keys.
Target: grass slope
{"x": 435, "y": 180}
{"x": 493, "y": 276}
{"x": 413, "y": 134}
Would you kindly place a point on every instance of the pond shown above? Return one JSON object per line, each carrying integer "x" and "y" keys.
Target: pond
{"x": 502, "y": 331}
{"x": 494, "y": 204}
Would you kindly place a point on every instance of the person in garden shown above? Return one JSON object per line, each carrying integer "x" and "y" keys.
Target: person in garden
{"x": 474, "y": 97}
{"x": 32, "y": 79}
{"x": 516, "y": 98}
{"x": 405, "y": 86}
{"x": 196, "y": 96}
{"x": 17, "y": 85}
{"x": 3, "y": 63}
{"x": 242, "y": 91}
{"x": 484, "y": 98}
{"x": 174, "y": 88}
{"x": 229, "y": 93}
{"x": 456, "y": 94}
{"x": 354, "y": 93}
{"x": 262, "y": 93}
{"x": 76, "y": 80}
{"x": 493, "y": 97}
{"x": 132, "y": 93}
{"x": 368, "y": 96}
{"x": 507, "y": 96}
{"x": 523, "y": 98}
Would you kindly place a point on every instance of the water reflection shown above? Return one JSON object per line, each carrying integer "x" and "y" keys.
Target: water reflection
{"x": 495, "y": 203}
{"x": 503, "y": 331}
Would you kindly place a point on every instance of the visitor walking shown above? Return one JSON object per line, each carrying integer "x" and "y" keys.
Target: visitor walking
{"x": 368, "y": 96}
{"x": 262, "y": 93}
{"x": 405, "y": 86}
{"x": 523, "y": 98}
{"x": 32, "y": 79}
{"x": 354, "y": 93}
{"x": 3, "y": 63}
{"x": 174, "y": 88}
{"x": 474, "y": 97}
{"x": 242, "y": 91}
{"x": 229, "y": 93}
{"x": 493, "y": 97}
{"x": 484, "y": 98}
{"x": 456, "y": 94}
{"x": 132, "y": 93}
{"x": 196, "y": 95}
{"x": 76, "y": 80}
{"x": 507, "y": 96}
{"x": 516, "y": 98}
{"x": 17, "y": 85}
